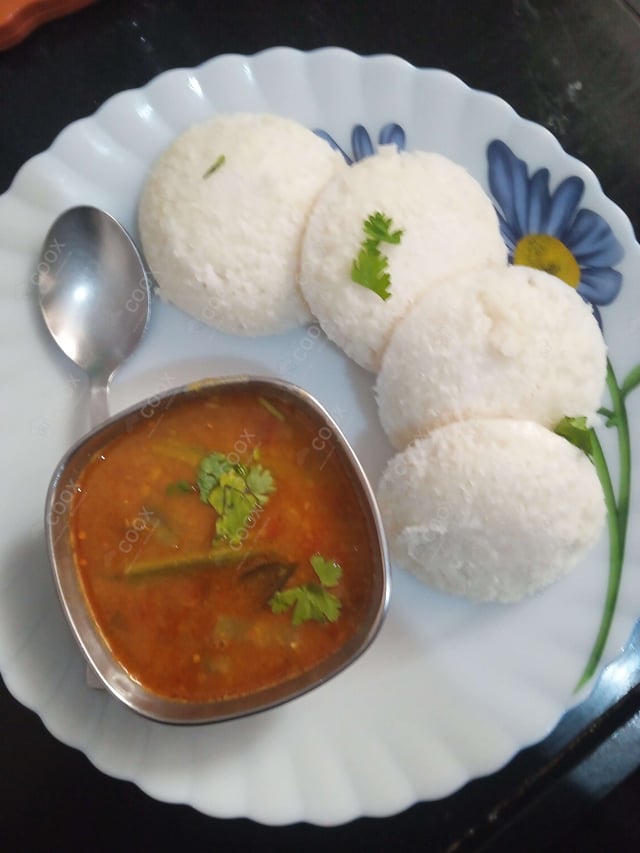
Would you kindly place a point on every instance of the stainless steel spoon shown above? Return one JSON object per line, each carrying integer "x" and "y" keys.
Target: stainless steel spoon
{"x": 94, "y": 296}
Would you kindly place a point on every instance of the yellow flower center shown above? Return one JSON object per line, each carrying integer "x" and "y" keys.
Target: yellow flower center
{"x": 544, "y": 252}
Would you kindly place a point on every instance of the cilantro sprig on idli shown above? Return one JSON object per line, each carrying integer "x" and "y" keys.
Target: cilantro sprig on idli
{"x": 448, "y": 226}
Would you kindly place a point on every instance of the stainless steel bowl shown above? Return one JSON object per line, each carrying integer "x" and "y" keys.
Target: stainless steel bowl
{"x": 109, "y": 671}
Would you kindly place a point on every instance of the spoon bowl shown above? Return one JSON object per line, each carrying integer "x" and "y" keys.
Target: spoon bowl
{"x": 94, "y": 296}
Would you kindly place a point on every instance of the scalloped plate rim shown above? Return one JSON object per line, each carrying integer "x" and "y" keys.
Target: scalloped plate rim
{"x": 326, "y": 54}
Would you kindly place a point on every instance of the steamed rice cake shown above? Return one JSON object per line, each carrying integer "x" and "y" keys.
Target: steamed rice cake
{"x": 449, "y": 227}
{"x": 512, "y": 342}
{"x": 221, "y": 219}
{"x": 490, "y": 509}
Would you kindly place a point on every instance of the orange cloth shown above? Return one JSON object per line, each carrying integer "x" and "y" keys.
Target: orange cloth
{"x": 20, "y": 17}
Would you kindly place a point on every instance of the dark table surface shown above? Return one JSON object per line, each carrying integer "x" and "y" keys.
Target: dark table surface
{"x": 578, "y": 789}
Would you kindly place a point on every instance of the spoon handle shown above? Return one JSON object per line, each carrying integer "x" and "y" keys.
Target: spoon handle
{"x": 98, "y": 400}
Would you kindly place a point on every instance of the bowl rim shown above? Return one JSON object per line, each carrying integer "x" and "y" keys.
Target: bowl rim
{"x": 102, "y": 664}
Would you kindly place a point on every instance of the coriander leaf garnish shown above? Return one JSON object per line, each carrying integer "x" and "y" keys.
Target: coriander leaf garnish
{"x": 234, "y": 490}
{"x": 309, "y": 602}
{"x": 214, "y": 166}
{"x": 369, "y": 270}
{"x": 209, "y": 472}
{"x": 329, "y": 572}
{"x": 377, "y": 228}
{"x": 312, "y": 601}
{"x": 260, "y": 482}
{"x": 370, "y": 267}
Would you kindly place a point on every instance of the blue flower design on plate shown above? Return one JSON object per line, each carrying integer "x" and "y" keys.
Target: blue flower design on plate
{"x": 361, "y": 144}
{"x": 549, "y": 230}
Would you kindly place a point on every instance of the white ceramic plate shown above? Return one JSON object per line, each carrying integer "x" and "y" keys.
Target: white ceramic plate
{"x": 449, "y": 691}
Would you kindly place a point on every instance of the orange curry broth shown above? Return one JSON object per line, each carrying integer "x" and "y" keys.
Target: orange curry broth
{"x": 203, "y": 633}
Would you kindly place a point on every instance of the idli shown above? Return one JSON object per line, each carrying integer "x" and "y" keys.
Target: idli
{"x": 512, "y": 342}
{"x": 221, "y": 219}
{"x": 448, "y": 224}
{"x": 490, "y": 509}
